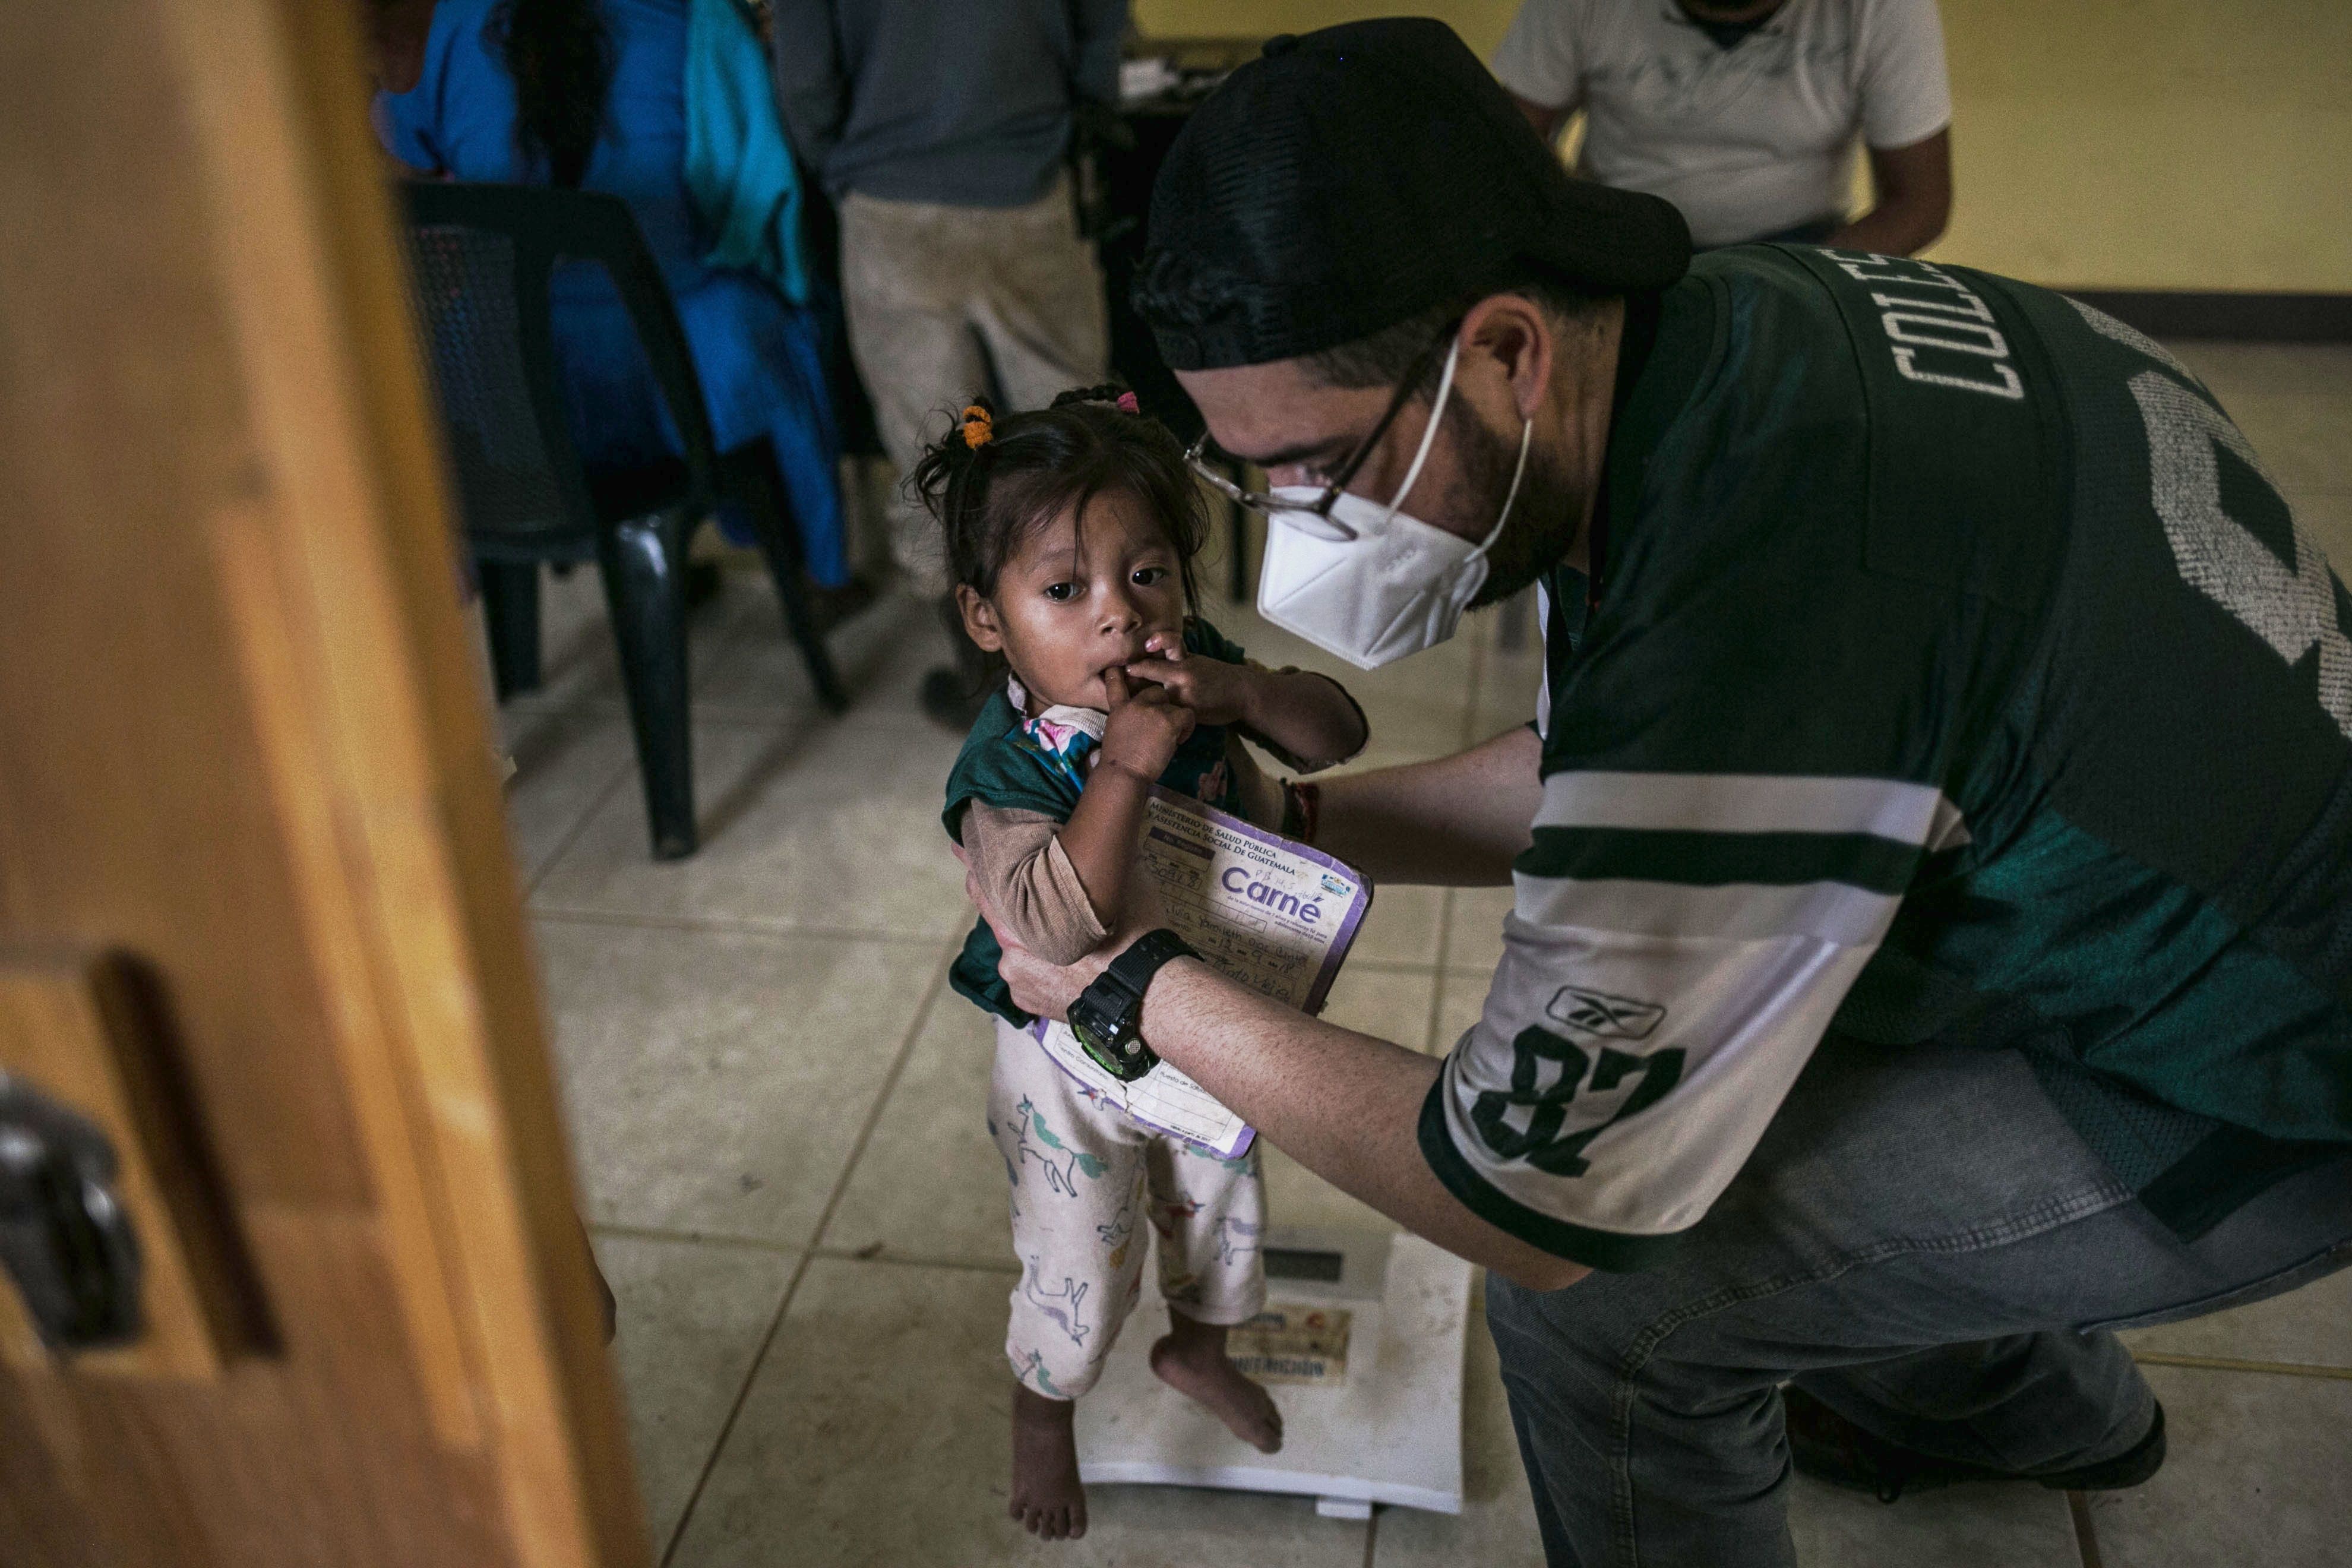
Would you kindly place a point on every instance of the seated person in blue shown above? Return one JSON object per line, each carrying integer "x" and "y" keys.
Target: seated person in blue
{"x": 592, "y": 94}
{"x": 1070, "y": 536}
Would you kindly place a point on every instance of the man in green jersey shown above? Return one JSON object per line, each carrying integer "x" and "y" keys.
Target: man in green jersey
{"x": 1933, "y": 946}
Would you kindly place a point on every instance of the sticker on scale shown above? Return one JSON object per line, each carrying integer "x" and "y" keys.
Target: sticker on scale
{"x": 1306, "y": 1346}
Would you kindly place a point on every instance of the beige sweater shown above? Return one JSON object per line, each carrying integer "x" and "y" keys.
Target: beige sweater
{"x": 1028, "y": 879}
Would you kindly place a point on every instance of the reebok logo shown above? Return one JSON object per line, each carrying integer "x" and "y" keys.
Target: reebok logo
{"x": 1597, "y": 1013}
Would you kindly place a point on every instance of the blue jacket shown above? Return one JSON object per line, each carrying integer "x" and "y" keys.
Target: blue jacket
{"x": 759, "y": 357}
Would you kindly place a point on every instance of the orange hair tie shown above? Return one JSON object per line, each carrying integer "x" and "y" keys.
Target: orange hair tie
{"x": 978, "y": 427}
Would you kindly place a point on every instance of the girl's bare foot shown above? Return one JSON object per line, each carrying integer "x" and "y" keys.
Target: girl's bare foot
{"x": 1046, "y": 1497}
{"x": 1191, "y": 1359}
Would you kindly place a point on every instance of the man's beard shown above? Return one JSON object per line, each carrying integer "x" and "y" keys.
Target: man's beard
{"x": 1543, "y": 521}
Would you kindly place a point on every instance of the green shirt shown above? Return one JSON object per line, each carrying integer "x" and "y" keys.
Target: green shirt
{"x": 1955, "y": 674}
{"x": 1035, "y": 765}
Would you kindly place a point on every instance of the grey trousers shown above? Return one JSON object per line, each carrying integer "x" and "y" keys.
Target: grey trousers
{"x": 1920, "y": 1241}
{"x": 946, "y": 301}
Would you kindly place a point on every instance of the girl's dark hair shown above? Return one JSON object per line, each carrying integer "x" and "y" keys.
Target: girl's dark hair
{"x": 561, "y": 57}
{"x": 1032, "y": 468}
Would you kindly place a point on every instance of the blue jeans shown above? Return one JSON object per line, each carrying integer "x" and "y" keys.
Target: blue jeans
{"x": 1920, "y": 1241}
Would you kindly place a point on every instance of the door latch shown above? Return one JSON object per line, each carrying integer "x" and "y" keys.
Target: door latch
{"x": 65, "y": 1236}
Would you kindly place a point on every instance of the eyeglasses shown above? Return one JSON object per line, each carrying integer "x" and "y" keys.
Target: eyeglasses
{"x": 1314, "y": 517}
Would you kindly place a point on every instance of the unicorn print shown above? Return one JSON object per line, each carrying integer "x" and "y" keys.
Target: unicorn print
{"x": 1062, "y": 1165}
{"x": 1062, "y": 1306}
{"x": 1235, "y": 1238}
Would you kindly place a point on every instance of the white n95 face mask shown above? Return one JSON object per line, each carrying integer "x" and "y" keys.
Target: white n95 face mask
{"x": 1371, "y": 583}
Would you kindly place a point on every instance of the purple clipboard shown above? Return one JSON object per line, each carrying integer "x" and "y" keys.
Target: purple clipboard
{"x": 1318, "y": 989}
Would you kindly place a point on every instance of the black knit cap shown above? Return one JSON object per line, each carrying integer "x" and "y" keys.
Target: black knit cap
{"x": 1353, "y": 177}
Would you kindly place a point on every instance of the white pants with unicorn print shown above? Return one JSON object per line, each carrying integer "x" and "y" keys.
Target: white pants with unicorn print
{"x": 1084, "y": 1178}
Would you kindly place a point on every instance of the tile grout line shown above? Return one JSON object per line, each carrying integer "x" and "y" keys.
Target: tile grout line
{"x": 2228, "y": 1364}
{"x": 743, "y": 717}
{"x": 726, "y": 715}
{"x": 746, "y": 716}
{"x": 948, "y": 949}
{"x": 1372, "y": 1535}
{"x": 573, "y": 835}
{"x": 1437, "y": 992}
{"x": 2087, "y": 1533}
{"x": 800, "y": 1270}
{"x": 719, "y": 714}
{"x": 736, "y": 634}
{"x": 726, "y": 925}
{"x": 963, "y": 1264}
{"x": 1466, "y": 735}
{"x": 1444, "y": 929}
{"x": 590, "y": 704}
{"x": 1393, "y": 965}
{"x": 623, "y": 1232}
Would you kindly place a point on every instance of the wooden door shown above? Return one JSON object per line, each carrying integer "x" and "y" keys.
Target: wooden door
{"x": 258, "y": 917}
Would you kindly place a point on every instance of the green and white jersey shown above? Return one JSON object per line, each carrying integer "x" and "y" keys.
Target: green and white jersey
{"x": 1957, "y": 674}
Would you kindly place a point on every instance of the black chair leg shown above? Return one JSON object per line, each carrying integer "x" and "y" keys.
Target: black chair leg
{"x": 761, "y": 495}
{"x": 800, "y": 624}
{"x": 644, "y": 562}
{"x": 510, "y": 608}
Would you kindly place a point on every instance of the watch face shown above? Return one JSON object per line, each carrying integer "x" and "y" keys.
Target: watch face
{"x": 1114, "y": 1048}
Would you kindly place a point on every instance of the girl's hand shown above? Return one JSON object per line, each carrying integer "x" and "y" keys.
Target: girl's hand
{"x": 1144, "y": 728}
{"x": 1216, "y": 692}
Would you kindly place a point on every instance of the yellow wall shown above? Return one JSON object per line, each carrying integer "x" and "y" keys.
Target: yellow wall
{"x": 2096, "y": 143}
{"x": 1480, "y": 22}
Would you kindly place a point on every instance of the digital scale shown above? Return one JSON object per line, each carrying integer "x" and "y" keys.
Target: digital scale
{"x": 1382, "y": 1425}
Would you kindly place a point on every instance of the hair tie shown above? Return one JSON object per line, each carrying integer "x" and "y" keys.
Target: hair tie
{"x": 979, "y": 425}
{"x": 1126, "y": 404}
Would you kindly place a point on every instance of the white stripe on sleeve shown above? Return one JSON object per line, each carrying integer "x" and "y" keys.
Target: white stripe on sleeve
{"x": 1753, "y": 803}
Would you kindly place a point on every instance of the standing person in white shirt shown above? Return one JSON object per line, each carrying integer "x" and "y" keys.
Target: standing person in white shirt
{"x": 1745, "y": 114}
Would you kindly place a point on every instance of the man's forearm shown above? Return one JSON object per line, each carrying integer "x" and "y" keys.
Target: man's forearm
{"x": 1893, "y": 229}
{"x": 1308, "y": 715}
{"x": 1544, "y": 118}
{"x": 1345, "y": 1105}
{"x": 1912, "y": 196}
{"x": 1457, "y": 822}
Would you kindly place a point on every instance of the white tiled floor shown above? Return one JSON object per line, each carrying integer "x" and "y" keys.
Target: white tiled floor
{"x": 777, "y": 1109}
{"x": 693, "y": 1317}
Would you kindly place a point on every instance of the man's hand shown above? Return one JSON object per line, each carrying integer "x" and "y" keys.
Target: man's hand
{"x": 1144, "y": 728}
{"x": 1216, "y": 692}
{"x": 1456, "y": 822}
{"x": 1345, "y": 1105}
{"x": 1046, "y": 990}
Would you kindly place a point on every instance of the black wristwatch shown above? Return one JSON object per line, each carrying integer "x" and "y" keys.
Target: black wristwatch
{"x": 1107, "y": 1017}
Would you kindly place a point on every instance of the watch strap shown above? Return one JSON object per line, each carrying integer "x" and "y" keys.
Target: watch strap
{"x": 1133, "y": 970}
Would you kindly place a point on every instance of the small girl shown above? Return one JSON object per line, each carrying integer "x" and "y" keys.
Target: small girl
{"x": 1070, "y": 537}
